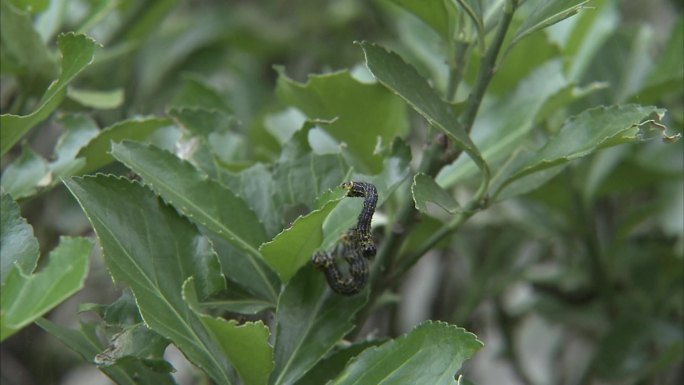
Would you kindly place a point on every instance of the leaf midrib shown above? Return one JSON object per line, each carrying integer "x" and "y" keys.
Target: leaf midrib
{"x": 246, "y": 246}
{"x": 155, "y": 290}
{"x": 319, "y": 304}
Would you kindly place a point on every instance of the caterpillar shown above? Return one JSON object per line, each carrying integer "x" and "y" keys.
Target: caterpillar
{"x": 363, "y": 226}
{"x": 356, "y": 246}
{"x": 358, "y": 267}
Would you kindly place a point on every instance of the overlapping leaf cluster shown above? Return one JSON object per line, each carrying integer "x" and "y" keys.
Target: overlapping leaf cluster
{"x": 206, "y": 219}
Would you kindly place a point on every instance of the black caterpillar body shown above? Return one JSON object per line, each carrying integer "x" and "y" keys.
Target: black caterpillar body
{"x": 358, "y": 267}
{"x": 363, "y": 225}
{"x": 356, "y": 246}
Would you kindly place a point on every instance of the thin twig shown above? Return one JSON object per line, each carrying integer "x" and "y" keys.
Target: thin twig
{"x": 461, "y": 49}
{"x": 434, "y": 158}
{"x": 485, "y": 74}
{"x": 487, "y": 67}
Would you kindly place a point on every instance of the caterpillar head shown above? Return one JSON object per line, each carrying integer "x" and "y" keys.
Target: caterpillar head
{"x": 355, "y": 189}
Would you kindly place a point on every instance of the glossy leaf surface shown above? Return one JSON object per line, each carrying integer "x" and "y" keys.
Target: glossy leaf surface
{"x": 150, "y": 247}
{"x": 432, "y": 12}
{"x": 246, "y": 345}
{"x": 362, "y": 112}
{"x": 502, "y": 127}
{"x": 86, "y": 343}
{"x": 18, "y": 246}
{"x": 431, "y": 353}
{"x": 77, "y": 52}
{"x": 546, "y": 14}
{"x": 585, "y": 133}
{"x": 392, "y": 71}
{"x": 292, "y": 248}
{"x": 203, "y": 200}
{"x": 97, "y": 152}
{"x": 25, "y": 296}
{"x": 425, "y": 190}
{"x": 310, "y": 319}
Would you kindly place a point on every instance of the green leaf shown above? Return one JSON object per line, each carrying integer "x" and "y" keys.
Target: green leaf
{"x": 27, "y": 297}
{"x": 123, "y": 312}
{"x": 589, "y": 33}
{"x": 431, "y": 353}
{"x": 527, "y": 57}
{"x": 210, "y": 134}
{"x": 585, "y": 133}
{"x": 195, "y": 92}
{"x": 135, "y": 341}
{"x": 503, "y": 126}
{"x": 145, "y": 20}
{"x": 203, "y": 122}
{"x": 102, "y": 100}
{"x": 547, "y": 14}
{"x": 18, "y": 246}
{"x": 245, "y": 345}
{"x": 236, "y": 300}
{"x": 303, "y": 179}
{"x": 667, "y": 76}
{"x": 79, "y": 130}
{"x": 97, "y": 11}
{"x": 129, "y": 339}
{"x": 425, "y": 190}
{"x": 396, "y": 169}
{"x": 253, "y": 275}
{"x": 202, "y": 199}
{"x": 32, "y": 6}
{"x": 28, "y": 172}
{"x": 432, "y": 12}
{"x": 293, "y": 186}
{"x": 258, "y": 188}
{"x": 170, "y": 50}
{"x": 473, "y": 8}
{"x": 77, "y": 53}
{"x": 391, "y": 70}
{"x": 310, "y": 320}
{"x": 334, "y": 362}
{"x": 529, "y": 182}
{"x": 292, "y": 248}
{"x": 22, "y": 50}
{"x": 364, "y": 112}
{"x": 283, "y": 124}
{"x": 154, "y": 250}
{"x": 96, "y": 152}
{"x": 86, "y": 343}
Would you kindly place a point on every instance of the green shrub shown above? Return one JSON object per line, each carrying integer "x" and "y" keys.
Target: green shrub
{"x": 510, "y": 142}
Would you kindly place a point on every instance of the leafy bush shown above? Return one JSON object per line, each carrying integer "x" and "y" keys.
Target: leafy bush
{"x": 510, "y": 143}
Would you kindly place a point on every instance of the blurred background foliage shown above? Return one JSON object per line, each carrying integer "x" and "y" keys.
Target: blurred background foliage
{"x": 578, "y": 282}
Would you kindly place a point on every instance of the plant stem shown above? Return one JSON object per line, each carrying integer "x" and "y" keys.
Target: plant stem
{"x": 434, "y": 158}
{"x": 403, "y": 222}
{"x": 461, "y": 49}
{"x": 487, "y": 67}
{"x": 405, "y": 219}
{"x": 484, "y": 77}
{"x": 409, "y": 260}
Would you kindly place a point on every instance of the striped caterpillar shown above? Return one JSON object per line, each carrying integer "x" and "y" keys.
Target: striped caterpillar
{"x": 363, "y": 225}
{"x": 358, "y": 267}
{"x": 355, "y": 246}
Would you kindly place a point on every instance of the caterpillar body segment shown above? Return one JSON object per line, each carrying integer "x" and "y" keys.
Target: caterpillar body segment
{"x": 356, "y": 246}
{"x": 370, "y": 195}
{"x": 358, "y": 268}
